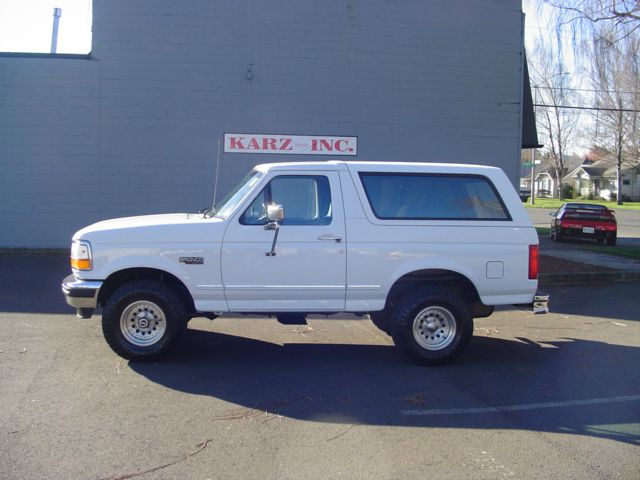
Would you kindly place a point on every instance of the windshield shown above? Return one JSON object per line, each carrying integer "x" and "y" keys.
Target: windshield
{"x": 237, "y": 194}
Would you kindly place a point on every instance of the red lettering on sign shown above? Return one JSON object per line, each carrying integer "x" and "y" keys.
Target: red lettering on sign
{"x": 326, "y": 145}
{"x": 236, "y": 143}
{"x": 285, "y": 144}
{"x": 269, "y": 144}
{"x": 291, "y": 144}
{"x": 341, "y": 142}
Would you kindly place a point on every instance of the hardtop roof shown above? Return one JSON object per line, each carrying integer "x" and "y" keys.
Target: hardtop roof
{"x": 377, "y": 165}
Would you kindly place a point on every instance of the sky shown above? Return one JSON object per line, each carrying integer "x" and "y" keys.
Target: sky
{"x": 531, "y": 25}
{"x": 25, "y": 25}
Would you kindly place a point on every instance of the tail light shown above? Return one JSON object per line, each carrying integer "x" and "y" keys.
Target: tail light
{"x": 534, "y": 261}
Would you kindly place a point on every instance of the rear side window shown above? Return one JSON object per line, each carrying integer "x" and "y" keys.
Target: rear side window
{"x": 433, "y": 197}
{"x": 306, "y": 200}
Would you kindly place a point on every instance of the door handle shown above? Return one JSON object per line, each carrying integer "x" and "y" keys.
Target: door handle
{"x": 330, "y": 237}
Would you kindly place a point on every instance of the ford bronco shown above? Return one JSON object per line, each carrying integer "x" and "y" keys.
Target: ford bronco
{"x": 422, "y": 248}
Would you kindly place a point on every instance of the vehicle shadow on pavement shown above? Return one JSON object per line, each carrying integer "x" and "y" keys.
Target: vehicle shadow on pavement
{"x": 561, "y": 387}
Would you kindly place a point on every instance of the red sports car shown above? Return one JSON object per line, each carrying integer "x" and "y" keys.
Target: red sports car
{"x": 584, "y": 220}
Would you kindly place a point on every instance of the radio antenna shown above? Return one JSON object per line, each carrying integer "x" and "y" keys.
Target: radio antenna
{"x": 215, "y": 182}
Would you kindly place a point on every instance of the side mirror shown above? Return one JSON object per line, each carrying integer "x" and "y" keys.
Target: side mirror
{"x": 275, "y": 213}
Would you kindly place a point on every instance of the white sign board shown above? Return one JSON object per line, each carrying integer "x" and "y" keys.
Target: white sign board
{"x": 289, "y": 144}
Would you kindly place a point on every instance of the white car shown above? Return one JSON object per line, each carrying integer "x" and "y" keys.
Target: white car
{"x": 422, "y": 248}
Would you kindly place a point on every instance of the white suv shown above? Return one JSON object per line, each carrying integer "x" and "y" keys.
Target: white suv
{"x": 422, "y": 248}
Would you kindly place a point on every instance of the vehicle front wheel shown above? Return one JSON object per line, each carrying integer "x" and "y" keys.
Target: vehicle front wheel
{"x": 431, "y": 325}
{"x": 142, "y": 319}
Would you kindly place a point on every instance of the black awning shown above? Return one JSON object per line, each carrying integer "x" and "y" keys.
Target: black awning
{"x": 529, "y": 131}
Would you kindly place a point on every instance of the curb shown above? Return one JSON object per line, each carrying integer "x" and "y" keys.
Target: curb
{"x": 34, "y": 251}
{"x": 590, "y": 277}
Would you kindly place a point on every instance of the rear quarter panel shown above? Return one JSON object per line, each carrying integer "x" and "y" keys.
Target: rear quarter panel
{"x": 493, "y": 255}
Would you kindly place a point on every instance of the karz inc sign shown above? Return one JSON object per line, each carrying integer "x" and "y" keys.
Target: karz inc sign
{"x": 289, "y": 144}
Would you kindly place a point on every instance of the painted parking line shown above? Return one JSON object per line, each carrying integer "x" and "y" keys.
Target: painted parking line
{"x": 521, "y": 407}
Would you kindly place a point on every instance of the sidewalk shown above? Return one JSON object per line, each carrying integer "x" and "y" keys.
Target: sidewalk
{"x": 567, "y": 264}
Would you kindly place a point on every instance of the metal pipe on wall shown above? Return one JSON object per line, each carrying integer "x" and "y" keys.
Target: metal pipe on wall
{"x": 57, "y": 13}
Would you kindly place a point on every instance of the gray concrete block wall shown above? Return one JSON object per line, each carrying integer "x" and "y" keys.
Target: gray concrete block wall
{"x": 134, "y": 130}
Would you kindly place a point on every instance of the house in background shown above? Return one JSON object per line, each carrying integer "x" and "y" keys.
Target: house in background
{"x": 545, "y": 183}
{"x": 544, "y": 180}
{"x": 598, "y": 180}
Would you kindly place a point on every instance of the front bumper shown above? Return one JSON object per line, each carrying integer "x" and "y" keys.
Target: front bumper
{"x": 81, "y": 294}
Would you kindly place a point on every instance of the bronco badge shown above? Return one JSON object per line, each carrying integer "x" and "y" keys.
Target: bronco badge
{"x": 192, "y": 260}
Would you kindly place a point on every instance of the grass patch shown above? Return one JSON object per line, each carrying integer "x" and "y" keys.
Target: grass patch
{"x": 556, "y": 203}
{"x": 627, "y": 252}
{"x": 543, "y": 231}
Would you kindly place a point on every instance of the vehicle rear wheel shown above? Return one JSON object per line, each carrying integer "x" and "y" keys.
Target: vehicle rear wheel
{"x": 142, "y": 319}
{"x": 611, "y": 241}
{"x": 431, "y": 325}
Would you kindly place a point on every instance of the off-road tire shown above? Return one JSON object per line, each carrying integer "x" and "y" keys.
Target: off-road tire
{"x": 170, "y": 305}
{"x": 419, "y": 302}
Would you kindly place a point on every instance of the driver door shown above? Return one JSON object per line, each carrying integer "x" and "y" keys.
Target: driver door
{"x": 308, "y": 271}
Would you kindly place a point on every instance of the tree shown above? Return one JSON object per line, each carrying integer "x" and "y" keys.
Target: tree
{"x": 552, "y": 88}
{"x": 606, "y": 48}
{"x": 622, "y": 17}
{"x": 615, "y": 76}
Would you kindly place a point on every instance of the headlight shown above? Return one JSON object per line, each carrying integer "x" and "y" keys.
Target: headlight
{"x": 81, "y": 256}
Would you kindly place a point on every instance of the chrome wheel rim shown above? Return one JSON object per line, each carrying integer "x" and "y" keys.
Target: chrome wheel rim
{"x": 434, "y": 328}
{"x": 143, "y": 323}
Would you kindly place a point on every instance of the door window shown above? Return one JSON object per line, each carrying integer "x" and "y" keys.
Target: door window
{"x": 306, "y": 200}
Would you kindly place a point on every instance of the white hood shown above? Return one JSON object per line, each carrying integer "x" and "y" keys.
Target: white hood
{"x": 167, "y": 227}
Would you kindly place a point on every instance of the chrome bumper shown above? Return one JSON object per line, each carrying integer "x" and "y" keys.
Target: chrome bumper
{"x": 81, "y": 294}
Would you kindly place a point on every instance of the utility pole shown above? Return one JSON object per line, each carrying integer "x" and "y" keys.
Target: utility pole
{"x": 533, "y": 166}
{"x": 533, "y": 151}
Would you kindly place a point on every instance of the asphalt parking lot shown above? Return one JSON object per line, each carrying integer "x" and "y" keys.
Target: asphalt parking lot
{"x": 553, "y": 396}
